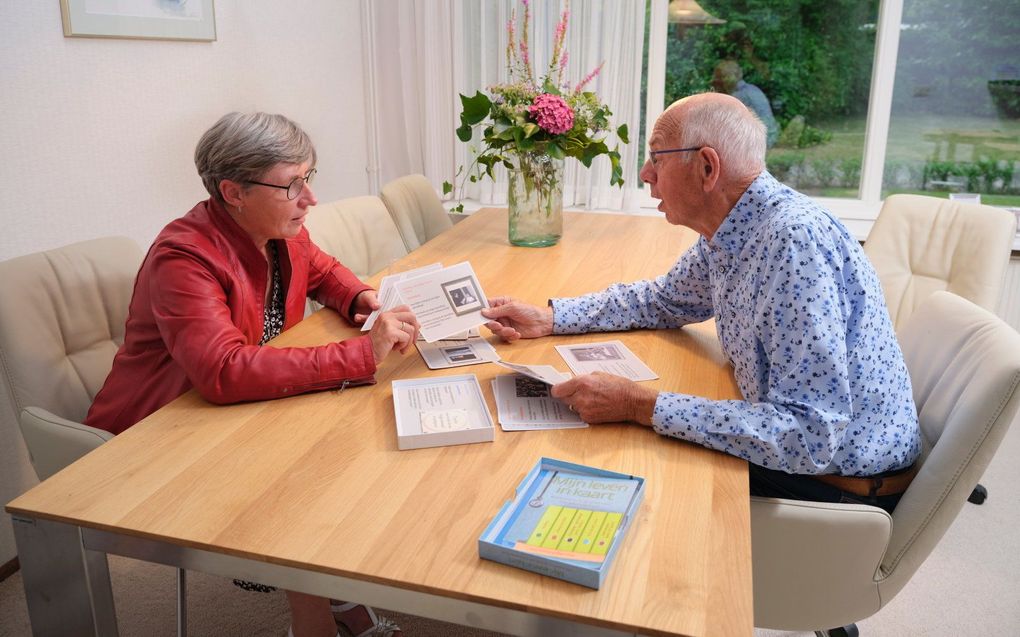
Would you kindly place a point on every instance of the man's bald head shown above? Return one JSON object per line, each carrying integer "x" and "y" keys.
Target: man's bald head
{"x": 719, "y": 121}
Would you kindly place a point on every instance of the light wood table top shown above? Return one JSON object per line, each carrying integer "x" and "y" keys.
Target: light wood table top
{"x": 316, "y": 481}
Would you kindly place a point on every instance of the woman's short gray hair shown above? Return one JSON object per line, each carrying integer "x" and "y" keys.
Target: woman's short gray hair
{"x": 732, "y": 129}
{"x": 244, "y": 146}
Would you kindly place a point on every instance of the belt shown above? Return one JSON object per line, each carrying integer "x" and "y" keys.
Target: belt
{"x": 891, "y": 483}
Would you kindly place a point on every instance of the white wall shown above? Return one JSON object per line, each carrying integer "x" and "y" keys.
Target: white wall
{"x": 98, "y": 135}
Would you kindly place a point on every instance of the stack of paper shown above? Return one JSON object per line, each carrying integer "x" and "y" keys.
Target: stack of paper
{"x": 523, "y": 401}
{"x": 467, "y": 348}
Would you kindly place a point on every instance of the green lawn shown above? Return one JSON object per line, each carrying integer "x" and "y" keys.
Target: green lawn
{"x": 832, "y": 169}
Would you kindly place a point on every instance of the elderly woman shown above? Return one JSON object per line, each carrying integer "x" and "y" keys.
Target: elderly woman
{"x": 227, "y": 277}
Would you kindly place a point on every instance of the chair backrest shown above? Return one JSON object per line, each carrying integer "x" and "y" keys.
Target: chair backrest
{"x": 416, "y": 209}
{"x": 964, "y": 366}
{"x": 921, "y": 245}
{"x": 357, "y": 231}
{"x": 62, "y": 315}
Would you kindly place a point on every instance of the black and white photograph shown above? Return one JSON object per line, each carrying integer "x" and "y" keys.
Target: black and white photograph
{"x": 459, "y": 354}
{"x": 463, "y": 295}
{"x": 525, "y": 387}
{"x": 596, "y": 353}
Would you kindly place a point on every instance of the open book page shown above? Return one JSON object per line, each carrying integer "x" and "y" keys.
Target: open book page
{"x": 611, "y": 357}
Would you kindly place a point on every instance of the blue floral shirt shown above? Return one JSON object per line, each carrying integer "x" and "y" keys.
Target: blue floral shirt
{"x": 800, "y": 314}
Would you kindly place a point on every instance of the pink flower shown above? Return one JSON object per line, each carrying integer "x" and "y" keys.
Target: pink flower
{"x": 552, "y": 114}
{"x": 588, "y": 78}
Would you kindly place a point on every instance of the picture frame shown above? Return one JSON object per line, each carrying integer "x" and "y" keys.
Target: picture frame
{"x": 462, "y": 295}
{"x": 191, "y": 20}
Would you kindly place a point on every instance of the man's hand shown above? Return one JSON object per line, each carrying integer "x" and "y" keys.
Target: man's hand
{"x": 364, "y": 304}
{"x": 513, "y": 319}
{"x": 601, "y": 397}
{"x": 393, "y": 330}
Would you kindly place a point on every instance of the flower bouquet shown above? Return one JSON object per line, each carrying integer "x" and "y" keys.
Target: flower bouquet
{"x": 530, "y": 126}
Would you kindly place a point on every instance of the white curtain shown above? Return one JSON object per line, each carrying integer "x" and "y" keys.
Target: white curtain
{"x": 424, "y": 52}
{"x": 410, "y": 93}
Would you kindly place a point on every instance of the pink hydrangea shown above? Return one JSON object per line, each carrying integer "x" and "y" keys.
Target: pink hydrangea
{"x": 552, "y": 114}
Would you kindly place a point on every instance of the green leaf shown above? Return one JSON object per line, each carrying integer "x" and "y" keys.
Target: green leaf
{"x": 447, "y": 187}
{"x": 522, "y": 142}
{"x": 549, "y": 87}
{"x": 530, "y": 129}
{"x": 555, "y": 151}
{"x": 621, "y": 132}
{"x": 592, "y": 151}
{"x": 458, "y": 208}
{"x": 464, "y": 133}
{"x": 616, "y": 178}
{"x": 475, "y": 108}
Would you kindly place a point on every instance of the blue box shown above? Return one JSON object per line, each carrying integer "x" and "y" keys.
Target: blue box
{"x": 587, "y": 488}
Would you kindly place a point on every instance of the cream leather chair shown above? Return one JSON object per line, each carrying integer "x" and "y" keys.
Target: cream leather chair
{"x": 821, "y": 565}
{"x": 920, "y": 245}
{"x": 62, "y": 316}
{"x": 416, "y": 210}
{"x": 358, "y": 231}
{"x": 62, "y": 319}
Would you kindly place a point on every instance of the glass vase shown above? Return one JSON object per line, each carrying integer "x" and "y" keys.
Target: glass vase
{"x": 535, "y": 200}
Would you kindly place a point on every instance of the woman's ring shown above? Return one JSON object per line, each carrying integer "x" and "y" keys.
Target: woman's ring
{"x": 571, "y": 408}
{"x": 402, "y": 324}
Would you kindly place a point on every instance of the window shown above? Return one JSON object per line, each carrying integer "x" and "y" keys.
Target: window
{"x": 955, "y": 123}
{"x": 827, "y": 72}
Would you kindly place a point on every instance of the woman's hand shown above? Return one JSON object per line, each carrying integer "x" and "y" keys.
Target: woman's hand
{"x": 364, "y": 304}
{"x": 393, "y": 330}
{"x": 514, "y": 319}
{"x": 601, "y": 397}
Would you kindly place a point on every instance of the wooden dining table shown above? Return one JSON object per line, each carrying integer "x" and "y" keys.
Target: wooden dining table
{"x": 311, "y": 493}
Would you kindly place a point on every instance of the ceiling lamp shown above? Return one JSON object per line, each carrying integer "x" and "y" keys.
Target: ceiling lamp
{"x": 689, "y": 12}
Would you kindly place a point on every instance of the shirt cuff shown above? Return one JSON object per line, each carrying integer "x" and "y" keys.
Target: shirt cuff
{"x": 566, "y": 316}
{"x": 676, "y": 415}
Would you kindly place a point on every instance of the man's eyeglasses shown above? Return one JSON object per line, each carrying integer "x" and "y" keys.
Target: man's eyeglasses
{"x": 295, "y": 186}
{"x": 652, "y": 154}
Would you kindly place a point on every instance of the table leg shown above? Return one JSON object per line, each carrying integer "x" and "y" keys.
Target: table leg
{"x": 67, "y": 587}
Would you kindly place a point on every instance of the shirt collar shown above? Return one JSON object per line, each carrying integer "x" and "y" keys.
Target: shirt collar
{"x": 743, "y": 220}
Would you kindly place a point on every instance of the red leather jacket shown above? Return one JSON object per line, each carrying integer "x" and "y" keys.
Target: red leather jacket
{"x": 196, "y": 317}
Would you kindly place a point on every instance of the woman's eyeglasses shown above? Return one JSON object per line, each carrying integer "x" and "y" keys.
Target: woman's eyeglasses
{"x": 295, "y": 186}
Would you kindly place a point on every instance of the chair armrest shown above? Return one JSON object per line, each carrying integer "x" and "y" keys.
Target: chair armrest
{"x": 54, "y": 442}
{"x": 815, "y": 563}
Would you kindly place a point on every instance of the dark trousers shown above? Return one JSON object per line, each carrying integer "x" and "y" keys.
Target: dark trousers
{"x": 776, "y": 484}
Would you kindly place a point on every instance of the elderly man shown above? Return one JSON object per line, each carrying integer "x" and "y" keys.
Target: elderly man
{"x": 827, "y": 413}
{"x": 728, "y": 78}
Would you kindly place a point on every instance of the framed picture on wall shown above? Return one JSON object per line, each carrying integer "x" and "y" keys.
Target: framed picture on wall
{"x": 145, "y": 19}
